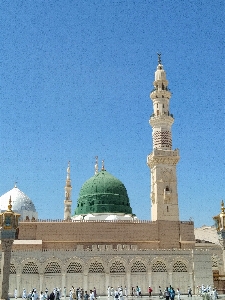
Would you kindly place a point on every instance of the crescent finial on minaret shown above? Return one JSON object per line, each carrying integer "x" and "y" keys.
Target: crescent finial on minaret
{"x": 68, "y": 170}
{"x": 159, "y": 58}
{"x": 96, "y": 165}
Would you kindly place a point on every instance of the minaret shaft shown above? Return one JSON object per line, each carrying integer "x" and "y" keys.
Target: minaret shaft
{"x": 163, "y": 160}
{"x": 68, "y": 201}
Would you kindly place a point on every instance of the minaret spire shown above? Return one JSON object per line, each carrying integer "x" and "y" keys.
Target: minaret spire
{"x": 67, "y": 201}
{"x": 159, "y": 58}
{"x": 162, "y": 161}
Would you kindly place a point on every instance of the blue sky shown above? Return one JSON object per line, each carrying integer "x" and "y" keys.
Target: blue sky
{"x": 75, "y": 78}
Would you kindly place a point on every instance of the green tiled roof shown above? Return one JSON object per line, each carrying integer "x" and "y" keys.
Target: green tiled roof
{"x": 103, "y": 193}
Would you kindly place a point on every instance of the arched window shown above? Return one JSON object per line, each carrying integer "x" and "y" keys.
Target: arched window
{"x": 179, "y": 266}
{"x": 30, "y": 268}
{"x": 12, "y": 269}
{"x": 138, "y": 266}
{"x": 74, "y": 267}
{"x": 159, "y": 266}
{"x": 96, "y": 267}
{"x": 52, "y": 267}
{"x": 117, "y": 267}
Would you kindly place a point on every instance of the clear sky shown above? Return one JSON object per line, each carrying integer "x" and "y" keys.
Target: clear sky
{"x": 75, "y": 78}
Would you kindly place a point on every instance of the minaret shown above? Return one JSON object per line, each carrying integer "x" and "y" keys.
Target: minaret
{"x": 68, "y": 201}
{"x": 163, "y": 160}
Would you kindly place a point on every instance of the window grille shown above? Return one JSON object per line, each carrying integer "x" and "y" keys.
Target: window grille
{"x": 159, "y": 266}
{"x": 138, "y": 266}
{"x": 117, "y": 267}
{"x": 30, "y": 268}
{"x": 12, "y": 269}
{"x": 214, "y": 261}
{"x": 74, "y": 267}
{"x": 96, "y": 267}
{"x": 52, "y": 267}
{"x": 179, "y": 266}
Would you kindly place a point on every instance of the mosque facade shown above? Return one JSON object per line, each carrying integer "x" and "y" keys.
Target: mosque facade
{"x": 103, "y": 243}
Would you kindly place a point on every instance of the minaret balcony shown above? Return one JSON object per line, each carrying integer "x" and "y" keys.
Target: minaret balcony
{"x": 163, "y": 119}
{"x": 159, "y": 156}
{"x": 159, "y": 93}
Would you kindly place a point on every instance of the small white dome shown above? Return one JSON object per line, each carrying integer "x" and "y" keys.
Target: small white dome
{"x": 21, "y": 204}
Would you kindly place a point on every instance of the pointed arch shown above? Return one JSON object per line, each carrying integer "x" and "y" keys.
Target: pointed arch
{"x": 74, "y": 265}
{"x": 117, "y": 265}
{"x": 159, "y": 265}
{"x": 138, "y": 265}
{"x": 96, "y": 265}
{"x": 179, "y": 264}
{"x": 52, "y": 266}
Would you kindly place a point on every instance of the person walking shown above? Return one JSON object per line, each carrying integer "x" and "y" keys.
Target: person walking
{"x": 149, "y": 291}
{"x": 178, "y": 294}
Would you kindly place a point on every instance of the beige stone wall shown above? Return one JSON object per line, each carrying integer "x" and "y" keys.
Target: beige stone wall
{"x": 103, "y": 266}
{"x": 144, "y": 234}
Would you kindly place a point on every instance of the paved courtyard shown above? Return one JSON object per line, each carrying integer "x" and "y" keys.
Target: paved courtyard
{"x": 221, "y": 296}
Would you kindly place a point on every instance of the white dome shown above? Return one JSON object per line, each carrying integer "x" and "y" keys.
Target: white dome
{"x": 21, "y": 203}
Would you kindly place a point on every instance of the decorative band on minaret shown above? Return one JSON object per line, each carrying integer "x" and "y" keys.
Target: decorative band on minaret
{"x": 163, "y": 160}
{"x": 68, "y": 201}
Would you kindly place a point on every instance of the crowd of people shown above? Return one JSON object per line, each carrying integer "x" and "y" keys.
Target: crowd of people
{"x": 116, "y": 293}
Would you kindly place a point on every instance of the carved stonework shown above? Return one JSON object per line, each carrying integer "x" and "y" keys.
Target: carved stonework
{"x": 7, "y": 245}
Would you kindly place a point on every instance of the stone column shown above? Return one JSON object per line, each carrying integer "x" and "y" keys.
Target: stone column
{"x": 149, "y": 278}
{"x": 18, "y": 285}
{"x": 171, "y": 278}
{"x": 5, "y": 267}
{"x": 41, "y": 279}
{"x": 191, "y": 281}
{"x": 63, "y": 283}
{"x": 107, "y": 281}
{"x": 128, "y": 283}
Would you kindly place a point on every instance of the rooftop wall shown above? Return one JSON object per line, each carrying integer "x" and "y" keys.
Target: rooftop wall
{"x": 144, "y": 234}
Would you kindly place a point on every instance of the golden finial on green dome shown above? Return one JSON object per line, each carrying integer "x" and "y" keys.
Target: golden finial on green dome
{"x": 96, "y": 165}
{"x": 103, "y": 165}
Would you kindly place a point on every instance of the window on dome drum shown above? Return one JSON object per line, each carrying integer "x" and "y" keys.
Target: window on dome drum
{"x": 30, "y": 268}
{"x": 179, "y": 266}
{"x": 167, "y": 188}
{"x": 96, "y": 267}
{"x": 12, "y": 269}
{"x": 159, "y": 266}
{"x": 117, "y": 267}
{"x": 74, "y": 267}
{"x": 52, "y": 267}
{"x": 138, "y": 266}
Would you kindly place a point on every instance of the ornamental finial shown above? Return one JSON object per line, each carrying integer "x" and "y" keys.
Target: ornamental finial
{"x": 103, "y": 165}
{"x": 96, "y": 165}
{"x": 222, "y": 207}
{"x": 68, "y": 170}
{"x": 159, "y": 58}
{"x": 10, "y": 204}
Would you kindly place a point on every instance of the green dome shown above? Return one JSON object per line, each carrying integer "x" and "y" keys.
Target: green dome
{"x": 103, "y": 193}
